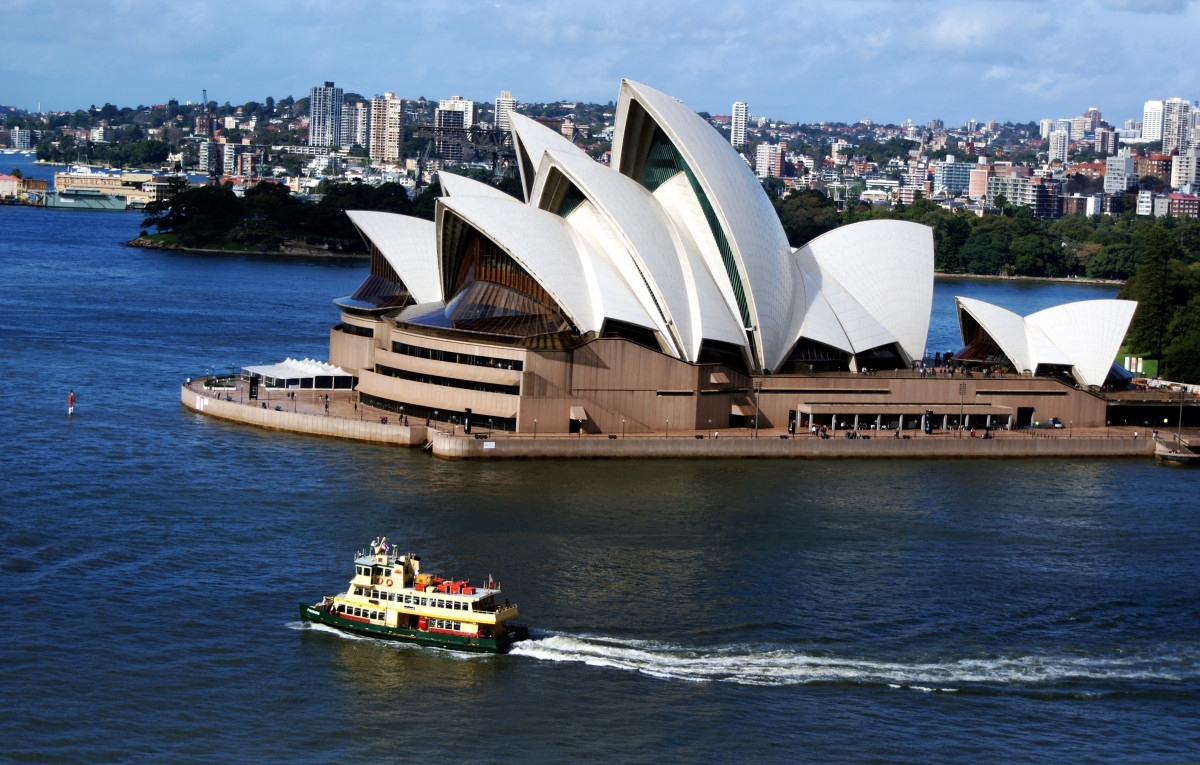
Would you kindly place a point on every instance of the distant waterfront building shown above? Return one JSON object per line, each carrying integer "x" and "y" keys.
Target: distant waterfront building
{"x": 1120, "y": 172}
{"x": 387, "y": 128}
{"x": 1063, "y": 125}
{"x": 1105, "y": 141}
{"x": 1152, "y": 121}
{"x": 1134, "y": 126}
{"x": 769, "y": 160}
{"x": 1059, "y": 145}
{"x": 20, "y": 139}
{"x": 454, "y": 112}
{"x": 1184, "y": 205}
{"x": 935, "y": 125}
{"x": 504, "y": 104}
{"x": 204, "y": 125}
{"x": 992, "y": 126}
{"x": 1185, "y": 168}
{"x": 208, "y": 157}
{"x": 1045, "y": 127}
{"x": 1176, "y": 123}
{"x": 229, "y": 157}
{"x": 101, "y": 134}
{"x": 325, "y": 116}
{"x": 737, "y": 127}
{"x": 977, "y": 189}
{"x": 356, "y": 124}
{"x": 952, "y": 177}
{"x": 1079, "y": 127}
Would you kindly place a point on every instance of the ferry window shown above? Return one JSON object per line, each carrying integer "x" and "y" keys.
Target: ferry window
{"x": 458, "y": 625}
{"x": 408, "y": 598}
{"x": 424, "y": 601}
{"x": 387, "y": 572}
{"x": 441, "y": 604}
{"x": 357, "y": 611}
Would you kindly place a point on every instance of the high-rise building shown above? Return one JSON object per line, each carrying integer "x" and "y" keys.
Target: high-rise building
{"x": 209, "y": 156}
{"x": 504, "y": 104}
{"x": 1120, "y": 172}
{"x": 20, "y": 139}
{"x": 387, "y": 128}
{"x": 356, "y": 124}
{"x": 1080, "y": 126}
{"x": 769, "y": 160}
{"x": 1152, "y": 121}
{"x": 1106, "y": 141}
{"x": 1059, "y": 143}
{"x": 952, "y": 177}
{"x": 1133, "y": 126}
{"x": 1176, "y": 121}
{"x": 737, "y": 124}
{"x": 1185, "y": 168}
{"x": 325, "y": 116}
{"x": 455, "y": 112}
{"x": 1045, "y": 127}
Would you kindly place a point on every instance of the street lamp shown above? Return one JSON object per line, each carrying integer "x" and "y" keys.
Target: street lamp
{"x": 622, "y": 428}
{"x": 535, "y": 427}
{"x": 668, "y": 433}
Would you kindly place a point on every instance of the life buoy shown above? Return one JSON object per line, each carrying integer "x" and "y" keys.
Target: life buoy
{"x": 389, "y": 583}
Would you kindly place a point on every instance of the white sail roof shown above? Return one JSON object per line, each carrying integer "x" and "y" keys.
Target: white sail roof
{"x": 410, "y": 247}
{"x": 1085, "y": 335}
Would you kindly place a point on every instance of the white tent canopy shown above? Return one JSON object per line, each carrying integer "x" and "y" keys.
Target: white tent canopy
{"x": 296, "y": 373}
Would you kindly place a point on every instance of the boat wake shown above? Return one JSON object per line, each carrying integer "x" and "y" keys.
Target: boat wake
{"x": 747, "y": 665}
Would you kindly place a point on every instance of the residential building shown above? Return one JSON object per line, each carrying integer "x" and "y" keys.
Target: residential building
{"x": 737, "y": 127}
{"x": 1079, "y": 127}
{"x": 1059, "y": 144}
{"x": 20, "y": 139}
{"x": 1045, "y": 127}
{"x": 1120, "y": 172}
{"x": 1152, "y": 121}
{"x": 454, "y": 112}
{"x": 387, "y": 128}
{"x": 952, "y": 177}
{"x": 229, "y": 157}
{"x": 356, "y": 124}
{"x": 325, "y": 116}
{"x": 504, "y": 104}
{"x": 1157, "y": 165}
{"x": 209, "y": 157}
{"x": 1184, "y": 205}
{"x": 1176, "y": 124}
{"x": 1185, "y": 168}
{"x": 769, "y": 160}
{"x": 977, "y": 187}
{"x": 1105, "y": 141}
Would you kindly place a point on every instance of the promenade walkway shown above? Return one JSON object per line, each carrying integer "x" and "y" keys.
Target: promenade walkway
{"x": 306, "y": 413}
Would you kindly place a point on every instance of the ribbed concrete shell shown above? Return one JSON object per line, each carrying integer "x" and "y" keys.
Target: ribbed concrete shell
{"x": 1085, "y": 335}
{"x": 410, "y": 247}
{"x": 877, "y": 278}
{"x": 761, "y": 257}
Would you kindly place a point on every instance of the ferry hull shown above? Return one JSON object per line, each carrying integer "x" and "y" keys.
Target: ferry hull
{"x": 474, "y": 643}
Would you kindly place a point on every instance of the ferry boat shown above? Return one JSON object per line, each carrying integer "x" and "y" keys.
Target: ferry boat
{"x": 390, "y": 598}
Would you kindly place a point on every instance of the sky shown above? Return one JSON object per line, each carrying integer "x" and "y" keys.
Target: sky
{"x": 799, "y": 61}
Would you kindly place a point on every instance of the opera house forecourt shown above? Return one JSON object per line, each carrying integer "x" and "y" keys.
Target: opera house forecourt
{"x": 660, "y": 294}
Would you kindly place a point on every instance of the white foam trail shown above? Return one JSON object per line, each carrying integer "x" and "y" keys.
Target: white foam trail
{"x": 745, "y": 665}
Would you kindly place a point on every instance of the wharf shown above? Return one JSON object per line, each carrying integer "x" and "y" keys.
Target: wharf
{"x": 306, "y": 414}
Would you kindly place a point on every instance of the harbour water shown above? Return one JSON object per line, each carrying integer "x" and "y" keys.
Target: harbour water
{"x": 910, "y": 611}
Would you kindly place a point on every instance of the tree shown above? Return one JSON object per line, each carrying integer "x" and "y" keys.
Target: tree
{"x": 16, "y": 173}
{"x": 1149, "y": 288}
{"x": 806, "y": 215}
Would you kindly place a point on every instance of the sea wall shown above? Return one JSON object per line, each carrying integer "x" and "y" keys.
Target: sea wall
{"x": 301, "y": 422}
{"x": 937, "y": 447}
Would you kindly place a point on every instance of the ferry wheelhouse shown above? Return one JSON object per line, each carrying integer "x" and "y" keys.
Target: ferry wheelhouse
{"x": 390, "y": 598}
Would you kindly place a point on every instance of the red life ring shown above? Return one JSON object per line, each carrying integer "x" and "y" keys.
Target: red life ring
{"x": 389, "y": 583}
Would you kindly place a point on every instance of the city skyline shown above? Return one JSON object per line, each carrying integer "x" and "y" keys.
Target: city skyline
{"x": 1014, "y": 60}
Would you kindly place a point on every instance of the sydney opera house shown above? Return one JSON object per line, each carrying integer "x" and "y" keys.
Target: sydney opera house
{"x": 661, "y": 292}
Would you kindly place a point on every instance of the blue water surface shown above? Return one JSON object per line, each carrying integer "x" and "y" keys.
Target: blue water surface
{"x": 866, "y": 611}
